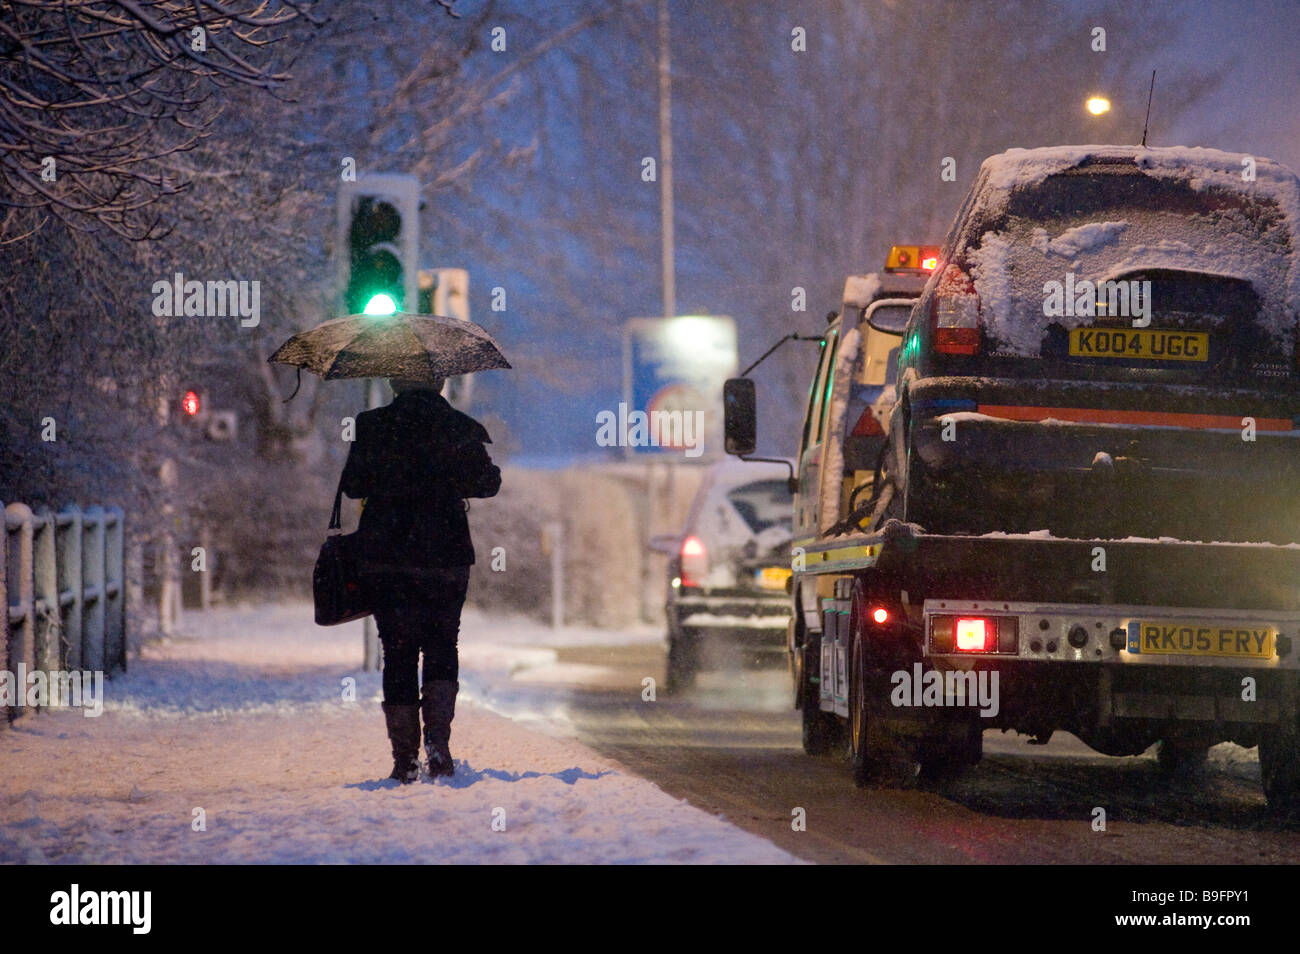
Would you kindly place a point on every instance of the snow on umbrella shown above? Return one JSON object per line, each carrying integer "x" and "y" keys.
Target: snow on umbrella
{"x": 411, "y": 347}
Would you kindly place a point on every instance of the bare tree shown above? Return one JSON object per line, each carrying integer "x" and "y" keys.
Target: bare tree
{"x": 94, "y": 95}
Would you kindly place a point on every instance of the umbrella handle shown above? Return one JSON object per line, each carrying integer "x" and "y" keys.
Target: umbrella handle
{"x": 296, "y": 386}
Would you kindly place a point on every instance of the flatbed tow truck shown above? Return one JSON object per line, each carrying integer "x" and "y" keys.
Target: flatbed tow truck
{"x": 953, "y": 583}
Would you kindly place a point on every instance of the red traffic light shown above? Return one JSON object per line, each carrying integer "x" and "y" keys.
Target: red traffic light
{"x": 190, "y": 403}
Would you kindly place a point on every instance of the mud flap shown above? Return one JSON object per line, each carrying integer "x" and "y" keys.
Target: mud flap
{"x": 834, "y": 695}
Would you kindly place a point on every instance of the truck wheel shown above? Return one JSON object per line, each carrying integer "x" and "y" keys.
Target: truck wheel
{"x": 944, "y": 760}
{"x": 819, "y": 728}
{"x": 683, "y": 660}
{"x": 1279, "y": 768}
{"x": 1180, "y": 759}
{"x": 862, "y": 763}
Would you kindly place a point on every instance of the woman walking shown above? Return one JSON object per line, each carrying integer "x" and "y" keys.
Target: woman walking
{"x": 415, "y": 461}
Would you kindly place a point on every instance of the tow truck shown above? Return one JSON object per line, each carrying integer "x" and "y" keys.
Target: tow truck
{"x": 1053, "y": 537}
{"x": 878, "y": 304}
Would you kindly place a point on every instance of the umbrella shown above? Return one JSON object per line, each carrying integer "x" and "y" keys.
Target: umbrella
{"x": 411, "y": 347}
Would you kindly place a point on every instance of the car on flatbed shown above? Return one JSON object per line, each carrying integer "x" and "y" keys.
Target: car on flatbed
{"x": 1084, "y": 516}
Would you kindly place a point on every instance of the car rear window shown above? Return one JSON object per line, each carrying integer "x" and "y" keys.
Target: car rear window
{"x": 763, "y": 504}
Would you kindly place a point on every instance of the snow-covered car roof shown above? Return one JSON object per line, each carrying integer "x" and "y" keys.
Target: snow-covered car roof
{"x": 1203, "y": 167}
{"x": 1248, "y": 230}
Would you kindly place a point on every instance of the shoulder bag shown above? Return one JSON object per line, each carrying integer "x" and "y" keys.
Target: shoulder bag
{"x": 336, "y": 581}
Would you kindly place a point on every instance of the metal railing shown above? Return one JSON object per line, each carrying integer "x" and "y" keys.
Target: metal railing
{"x": 63, "y": 586}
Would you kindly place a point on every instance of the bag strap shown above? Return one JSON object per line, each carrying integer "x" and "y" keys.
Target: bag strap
{"x": 335, "y": 522}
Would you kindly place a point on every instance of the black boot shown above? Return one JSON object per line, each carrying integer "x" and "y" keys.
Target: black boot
{"x": 439, "y": 709}
{"x": 404, "y": 734}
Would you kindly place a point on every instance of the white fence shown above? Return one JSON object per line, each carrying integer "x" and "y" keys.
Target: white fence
{"x": 63, "y": 586}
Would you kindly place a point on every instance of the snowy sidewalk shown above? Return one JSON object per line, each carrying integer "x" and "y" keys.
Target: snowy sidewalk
{"x": 243, "y": 725}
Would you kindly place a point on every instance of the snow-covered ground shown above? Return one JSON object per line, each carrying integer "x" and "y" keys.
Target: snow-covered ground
{"x": 241, "y": 743}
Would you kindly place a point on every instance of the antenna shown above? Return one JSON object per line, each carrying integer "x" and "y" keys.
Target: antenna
{"x": 1147, "y": 121}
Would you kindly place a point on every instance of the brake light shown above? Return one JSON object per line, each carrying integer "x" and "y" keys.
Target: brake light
{"x": 694, "y": 561}
{"x": 972, "y": 635}
{"x": 955, "y": 314}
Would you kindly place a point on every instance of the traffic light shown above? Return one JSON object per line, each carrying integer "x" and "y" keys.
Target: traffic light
{"x": 375, "y": 280}
{"x": 377, "y": 243}
{"x": 193, "y": 408}
{"x": 445, "y": 291}
{"x": 198, "y": 417}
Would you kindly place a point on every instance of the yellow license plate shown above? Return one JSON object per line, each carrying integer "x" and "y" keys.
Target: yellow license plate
{"x": 1178, "y": 638}
{"x": 773, "y": 577}
{"x": 1146, "y": 345}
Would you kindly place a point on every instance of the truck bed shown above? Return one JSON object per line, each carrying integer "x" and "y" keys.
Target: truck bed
{"x": 1037, "y": 567}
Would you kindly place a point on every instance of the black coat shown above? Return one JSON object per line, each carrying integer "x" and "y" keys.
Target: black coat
{"x": 415, "y": 461}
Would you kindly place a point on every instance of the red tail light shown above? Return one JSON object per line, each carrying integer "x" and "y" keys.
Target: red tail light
{"x": 955, "y": 314}
{"x": 695, "y": 563}
{"x": 972, "y": 635}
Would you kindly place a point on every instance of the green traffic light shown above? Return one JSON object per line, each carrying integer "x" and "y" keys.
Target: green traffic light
{"x": 381, "y": 304}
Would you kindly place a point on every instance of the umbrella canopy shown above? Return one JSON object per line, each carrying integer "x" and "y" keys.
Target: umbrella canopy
{"x": 410, "y": 347}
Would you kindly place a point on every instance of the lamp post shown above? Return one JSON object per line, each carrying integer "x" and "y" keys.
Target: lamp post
{"x": 666, "y": 164}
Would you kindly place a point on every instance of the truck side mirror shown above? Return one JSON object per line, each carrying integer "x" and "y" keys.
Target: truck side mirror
{"x": 667, "y": 543}
{"x": 739, "y": 417}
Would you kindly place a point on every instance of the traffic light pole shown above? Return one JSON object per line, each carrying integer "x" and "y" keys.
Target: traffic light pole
{"x": 377, "y": 246}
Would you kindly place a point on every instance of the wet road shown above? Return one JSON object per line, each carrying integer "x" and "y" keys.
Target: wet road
{"x": 731, "y": 747}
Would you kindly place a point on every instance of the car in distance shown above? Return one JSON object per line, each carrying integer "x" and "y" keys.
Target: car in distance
{"x": 728, "y": 569}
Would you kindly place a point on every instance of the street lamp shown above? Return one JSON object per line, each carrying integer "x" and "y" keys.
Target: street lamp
{"x": 1097, "y": 105}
